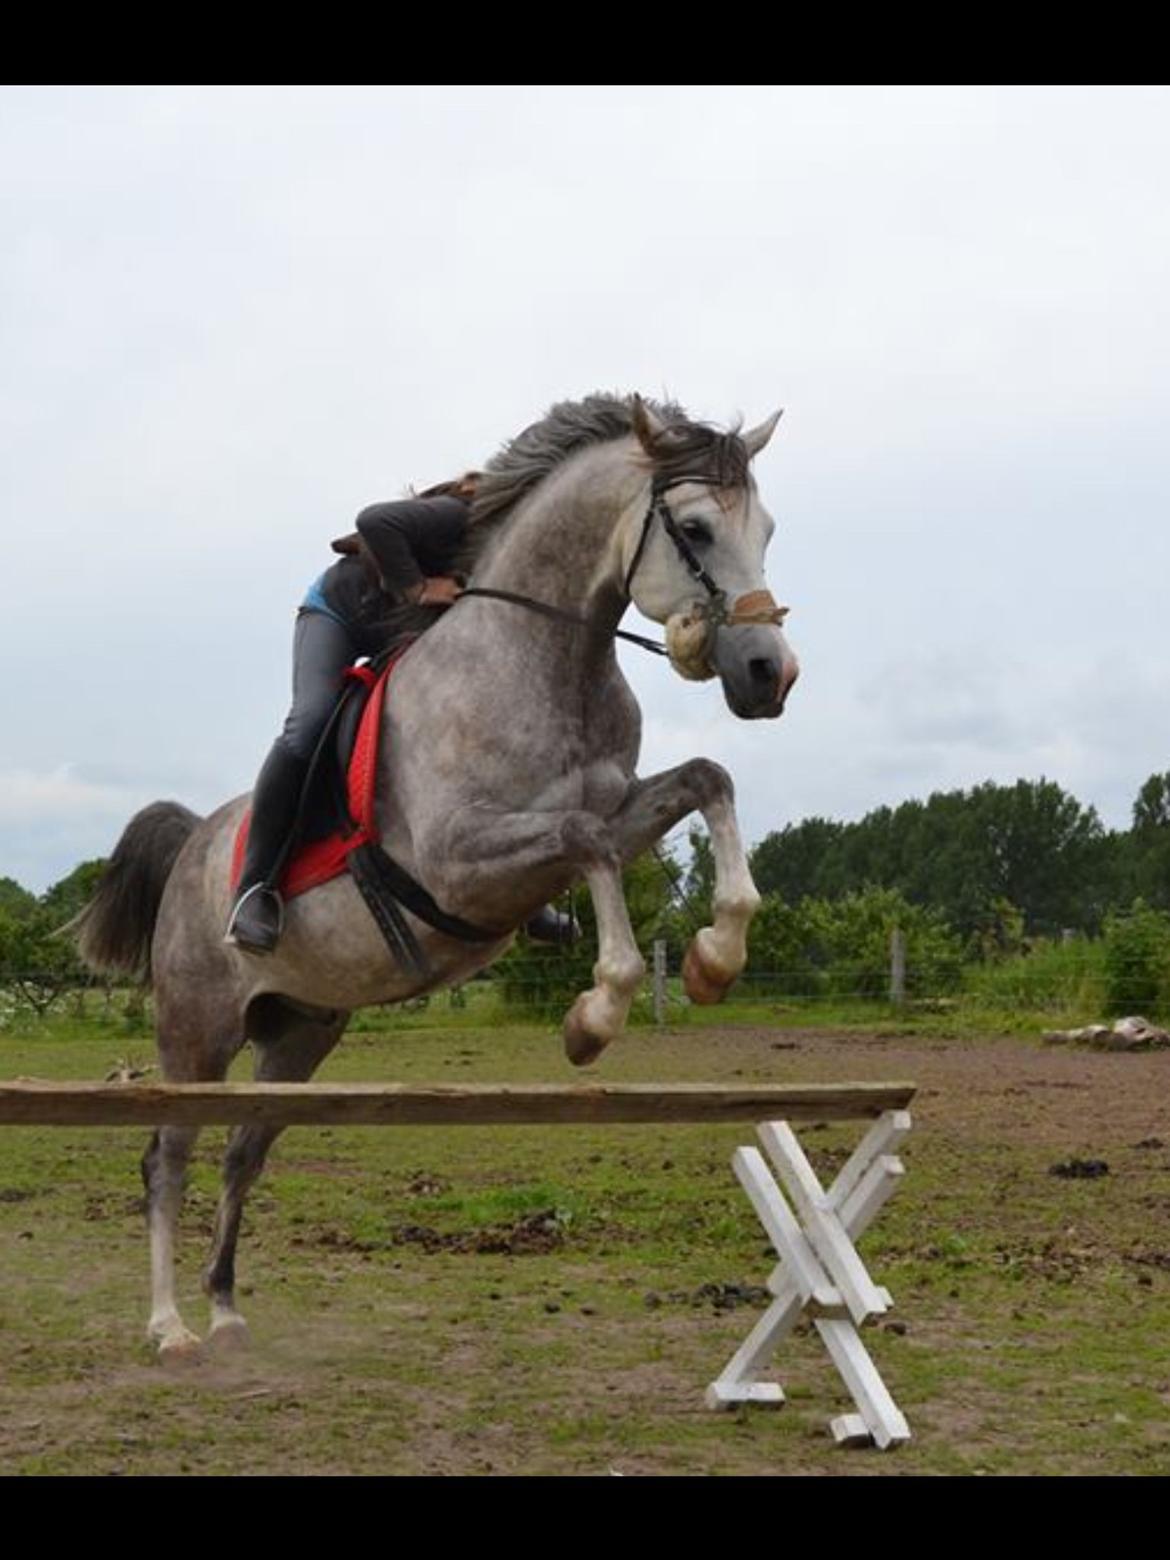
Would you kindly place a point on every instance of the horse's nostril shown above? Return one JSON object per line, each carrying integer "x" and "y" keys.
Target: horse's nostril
{"x": 763, "y": 674}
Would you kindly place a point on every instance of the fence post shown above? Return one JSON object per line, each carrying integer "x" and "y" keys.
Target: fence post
{"x": 897, "y": 966}
{"x": 659, "y": 981}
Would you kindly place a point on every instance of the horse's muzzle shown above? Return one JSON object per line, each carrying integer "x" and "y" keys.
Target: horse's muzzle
{"x": 757, "y": 670}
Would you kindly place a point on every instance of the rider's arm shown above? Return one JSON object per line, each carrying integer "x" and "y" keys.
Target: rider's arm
{"x": 405, "y": 535}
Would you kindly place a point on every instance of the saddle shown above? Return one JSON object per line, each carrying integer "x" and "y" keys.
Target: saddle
{"x": 336, "y": 829}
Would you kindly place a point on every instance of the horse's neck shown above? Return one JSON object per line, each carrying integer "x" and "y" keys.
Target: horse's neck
{"x": 560, "y": 546}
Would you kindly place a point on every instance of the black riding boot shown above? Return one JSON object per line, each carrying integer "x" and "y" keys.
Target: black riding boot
{"x": 553, "y": 926}
{"x": 257, "y": 918}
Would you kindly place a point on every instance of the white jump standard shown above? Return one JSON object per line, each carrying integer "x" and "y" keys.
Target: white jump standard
{"x": 820, "y": 1273}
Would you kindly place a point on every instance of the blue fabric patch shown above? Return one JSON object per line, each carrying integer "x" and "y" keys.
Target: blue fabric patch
{"x": 315, "y": 602}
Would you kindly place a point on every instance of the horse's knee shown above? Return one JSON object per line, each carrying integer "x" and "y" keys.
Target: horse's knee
{"x": 710, "y": 781}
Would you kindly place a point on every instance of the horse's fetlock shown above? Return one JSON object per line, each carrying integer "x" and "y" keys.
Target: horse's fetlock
{"x": 740, "y": 906}
{"x": 623, "y": 974}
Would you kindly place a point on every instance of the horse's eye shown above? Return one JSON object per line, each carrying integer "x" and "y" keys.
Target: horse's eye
{"x": 696, "y": 531}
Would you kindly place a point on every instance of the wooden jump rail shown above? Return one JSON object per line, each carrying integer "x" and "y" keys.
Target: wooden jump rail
{"x": 35, "y": 1103}
{"x": 819, "y": 1276}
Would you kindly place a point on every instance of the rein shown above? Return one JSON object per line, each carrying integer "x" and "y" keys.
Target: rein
{"x": 558, "y": 613}
{"x": 755, "y": 607}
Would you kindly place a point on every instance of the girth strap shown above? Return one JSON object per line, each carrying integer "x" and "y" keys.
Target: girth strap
{"x": 388, "y": 875}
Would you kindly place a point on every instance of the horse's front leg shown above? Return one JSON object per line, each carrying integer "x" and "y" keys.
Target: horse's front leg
{"x": 717, "y": 953}
{"x": 600, "y": 1013}
{"x": 487, "y": 864}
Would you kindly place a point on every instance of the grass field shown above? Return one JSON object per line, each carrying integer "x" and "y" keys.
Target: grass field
{"x": 555, "y": 1301}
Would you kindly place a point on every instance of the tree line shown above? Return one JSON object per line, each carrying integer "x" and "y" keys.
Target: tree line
{"x": 975, "y": 856}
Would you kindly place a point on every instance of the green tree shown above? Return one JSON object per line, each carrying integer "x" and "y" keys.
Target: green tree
{"x": 841, "y": 947}
{"x": 1151, "y": 809}
{"x": 14, "y": 900}
{"x": 73, "y": 892}
{"x": 960, "y": 851}
{"x": 36, "y": 964}
{"x": 792, "y": 863}
{"x": 1149, "y": 843}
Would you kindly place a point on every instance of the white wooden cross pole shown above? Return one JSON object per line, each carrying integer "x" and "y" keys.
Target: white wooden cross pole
{"x": 820, "y": 1272}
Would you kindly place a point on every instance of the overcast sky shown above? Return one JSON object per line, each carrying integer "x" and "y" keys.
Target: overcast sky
{"x": 231, "y": 318}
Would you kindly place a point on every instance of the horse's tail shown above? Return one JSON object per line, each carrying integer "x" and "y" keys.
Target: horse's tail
{"x": 115, "y": 930}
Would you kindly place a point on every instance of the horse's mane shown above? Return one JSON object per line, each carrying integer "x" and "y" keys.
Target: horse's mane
{"x": 684, "y": 447}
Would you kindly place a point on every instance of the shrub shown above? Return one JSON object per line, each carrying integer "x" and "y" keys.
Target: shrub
{"x": 1137, "y": 961}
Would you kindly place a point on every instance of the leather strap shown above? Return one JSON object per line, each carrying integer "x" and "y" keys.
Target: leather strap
{"x": 758, "y": 606}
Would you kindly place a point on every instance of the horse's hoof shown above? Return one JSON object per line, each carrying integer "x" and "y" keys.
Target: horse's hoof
{"x": 229, "y": 1335}
{"x": 703, "y": 982}
{"x": 179, "y": 1349}
{"x": 582, "y": 1043}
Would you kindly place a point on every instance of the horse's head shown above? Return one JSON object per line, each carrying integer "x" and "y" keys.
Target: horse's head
{"x": 693, "y": 559}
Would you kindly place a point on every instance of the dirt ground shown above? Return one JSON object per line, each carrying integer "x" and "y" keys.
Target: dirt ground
{"x": 555, "y": 1301}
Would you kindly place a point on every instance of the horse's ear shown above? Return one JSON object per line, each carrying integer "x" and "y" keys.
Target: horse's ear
{"x": 756, "y": 438}
{"x": 647, "y": 425}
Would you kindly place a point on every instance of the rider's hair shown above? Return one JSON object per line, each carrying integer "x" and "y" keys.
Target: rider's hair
{"x": 462, "y": 487}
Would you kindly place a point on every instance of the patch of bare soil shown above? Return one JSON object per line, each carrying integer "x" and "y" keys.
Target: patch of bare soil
{"x": 533, "y": 1234}
{"x": 1021, "y": 1091}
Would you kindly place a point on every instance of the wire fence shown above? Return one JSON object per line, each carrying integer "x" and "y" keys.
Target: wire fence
{"x": 1072, "y": 980}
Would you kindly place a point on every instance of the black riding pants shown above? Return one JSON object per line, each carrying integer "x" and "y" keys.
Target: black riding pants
{"x": 322, "y": 649}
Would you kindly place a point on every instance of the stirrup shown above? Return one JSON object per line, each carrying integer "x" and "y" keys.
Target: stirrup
{"x": 251, "y": 925}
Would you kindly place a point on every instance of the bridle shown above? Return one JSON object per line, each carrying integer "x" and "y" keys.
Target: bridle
{"x": 756, "y": 606}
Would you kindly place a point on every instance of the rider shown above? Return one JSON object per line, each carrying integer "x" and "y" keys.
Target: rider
{"x": 402, "y": 553}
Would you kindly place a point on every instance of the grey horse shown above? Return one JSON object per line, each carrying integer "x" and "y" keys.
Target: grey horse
{"x": 510, "y": 746}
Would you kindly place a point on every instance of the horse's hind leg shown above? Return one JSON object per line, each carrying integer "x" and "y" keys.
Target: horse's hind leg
{"x": 290, "y": 1046}
{"x": 164, "y": 1172}
{"x": 197, "y": 1041}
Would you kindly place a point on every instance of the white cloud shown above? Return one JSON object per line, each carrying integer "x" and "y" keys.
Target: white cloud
{"x": 28, "y": 799}
{"x": 50, "y": 821}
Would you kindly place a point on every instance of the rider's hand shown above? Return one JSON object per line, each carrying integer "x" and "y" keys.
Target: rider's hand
{"x": 439, "y": 591}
